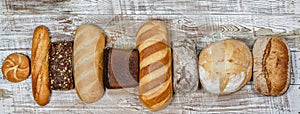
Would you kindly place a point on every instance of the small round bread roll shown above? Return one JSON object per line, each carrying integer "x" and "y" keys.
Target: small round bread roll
{"x": 271, "y": 70}
{"x": 15, "y": 67}
{"x": 225, "y": 66}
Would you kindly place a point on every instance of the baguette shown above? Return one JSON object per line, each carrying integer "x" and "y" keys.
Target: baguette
{"x": 39, "y": 65}
{"x": 155, "y": 87}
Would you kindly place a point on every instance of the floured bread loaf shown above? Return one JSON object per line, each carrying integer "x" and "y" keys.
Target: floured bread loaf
{"x": 271, "y": 65}
{"x": 155, "y": 87}
{"x": 185, "y": 76}
{"x": 88, "y": 50}
{"x": 225, "y": 66}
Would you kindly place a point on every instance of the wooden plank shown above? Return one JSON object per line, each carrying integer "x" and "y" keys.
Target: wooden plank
{"x": 20, "y": 100}
{"x": 17, "y": 30}
{"x": 163, "y": 7}
{"x": 187, "y": 7}
{"x": 56, "y": 7}
{"x": 294, "y": 102}
{"x": 295, "y": 73}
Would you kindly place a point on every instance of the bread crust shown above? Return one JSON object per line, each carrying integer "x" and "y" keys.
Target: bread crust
{"x": 225, "y": 66}
{"x": 155, "y": 87}
{"x": 16, "y": 67}
{"x": 40, "y": 65}
{"x": 271, "y": 70}
{"x": 88, "y": 64}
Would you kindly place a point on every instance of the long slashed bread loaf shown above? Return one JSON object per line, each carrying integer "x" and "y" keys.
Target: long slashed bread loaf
{"x": 271, "y": 65}
{"x": 88, "y": 62}
{"x": 155, "y": 87}
{"x": 40, "y": 65}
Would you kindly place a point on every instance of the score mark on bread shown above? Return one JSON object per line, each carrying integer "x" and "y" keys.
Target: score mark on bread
{"x": 271, "y": 65}
{"x": 225, "y": 66}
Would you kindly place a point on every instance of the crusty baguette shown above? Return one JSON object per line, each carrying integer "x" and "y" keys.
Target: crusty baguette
{"x": 155, "y": 88}
{"x": 39, "y": 65}
{"x": 225, "y": 66}
{"x": 88, "y": 50}
{"x": 271, "y": 65}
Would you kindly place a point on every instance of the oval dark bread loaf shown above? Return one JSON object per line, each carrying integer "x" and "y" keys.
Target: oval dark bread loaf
{"x": 155, "y": 87}
{"x": 40, "y": 65}
{"x": 271, "y": 65}
{"x": 88, "y": 50}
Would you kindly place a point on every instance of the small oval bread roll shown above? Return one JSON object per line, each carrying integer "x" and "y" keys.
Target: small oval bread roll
{"x": 271, "y": 65}
{"x": 225, "y": 66}
{"x": 16, "y": 67}
{"x": 88, "y": 50}
{"x": 155, "y": 87}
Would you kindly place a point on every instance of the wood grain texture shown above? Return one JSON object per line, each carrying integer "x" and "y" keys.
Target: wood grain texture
{"x": 246, "y": 100}
{"x": 202, "y": 21}
{"x": 149, "y": 7}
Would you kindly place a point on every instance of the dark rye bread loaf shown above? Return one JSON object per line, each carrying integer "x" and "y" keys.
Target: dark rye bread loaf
{"x": 121, "y": 68}
{"x": 60, "y": 66}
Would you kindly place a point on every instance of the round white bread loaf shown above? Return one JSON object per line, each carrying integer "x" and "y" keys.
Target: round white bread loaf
{"x": 225, "y": 66}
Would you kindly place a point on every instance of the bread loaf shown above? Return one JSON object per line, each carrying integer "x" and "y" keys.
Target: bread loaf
{"x": 40, "y": 64}
{"x": 271, "y": 65}
{"x": 155, "y": 88}
{"x": 88, "y": 50}
{"x": 225, "y": 66}
{"x": 60, "y": 64}
{"x": 185, "y": 66}
{"x": 121, "y": 68}
{"x": 16, "y": 67}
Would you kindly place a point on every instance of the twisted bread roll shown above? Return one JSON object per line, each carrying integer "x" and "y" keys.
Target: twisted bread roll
{"x": 155, "y": 88}
{"x": 40, "y": 64}
{"x": 16, "y": 67}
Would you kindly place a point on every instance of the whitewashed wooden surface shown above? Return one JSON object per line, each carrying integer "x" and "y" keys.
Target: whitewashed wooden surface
{"x": 204, "y": 21}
